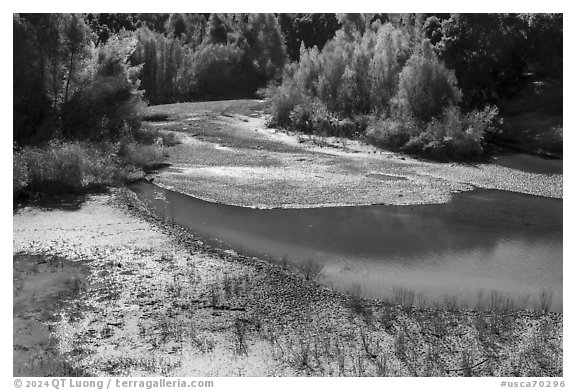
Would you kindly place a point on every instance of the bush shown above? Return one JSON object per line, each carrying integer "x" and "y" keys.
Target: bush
{"x": 311, "y": 118}
{"x": 426, "y": 86}
{"x": 282, "y": 100}
{"x": 146, "y": 157}
{"x": 150, "y": 136}
{"x": 63, "y": 168}
{"x": 452, "y": 136}
{"x": 19, "y": 172}
{"x": 389, "y": 133}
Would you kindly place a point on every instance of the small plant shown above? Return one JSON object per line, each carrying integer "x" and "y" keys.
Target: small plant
{"x": 214, "y": 296}
{"x": 147, "y": 157}
{"x": 19, "y": 172}
{"x": 422, "y": 300}
{"x": 381, "y": 366}
{"x": 389, "y": 315}
{"x": 311, "y": 270}
{"x": 284, "y": 262}
{"x": 403, "y": 297}
{"x": 240, "y": 333}
{"x": 437, "y": 324}
{"x": 227, "y": 285}
{"x": 166, "y": 257}
{"x": 360, "y": 365}
{"x": 467, "y": 363}
{"x": 400, "y": 344}
{"x": 500, "y": 303}
{"x": 545, "y": 300}
{"x": 303, "y": 353}
{"x": 480, "y": 305}
{"x": 355, "y": 301}
{"x": 451, "y": 303}
{"x": 341, "y": 358}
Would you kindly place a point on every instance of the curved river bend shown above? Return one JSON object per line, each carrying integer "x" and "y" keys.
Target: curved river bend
{"x": 483, "y": 240}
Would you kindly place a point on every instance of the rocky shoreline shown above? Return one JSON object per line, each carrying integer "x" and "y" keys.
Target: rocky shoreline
{"x": 159, "y": 301}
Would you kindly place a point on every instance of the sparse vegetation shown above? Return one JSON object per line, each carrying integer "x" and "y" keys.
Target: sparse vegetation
{"x": 311, "y": 270}
{"x": 63, "y": 167}
{"x": 76, "y": 167}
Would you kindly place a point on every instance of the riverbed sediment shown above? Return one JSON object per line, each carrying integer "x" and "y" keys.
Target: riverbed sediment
{"x": 156, "y": 300}
{"x": 159, "y": 301}
{"x": 228, "y": 155}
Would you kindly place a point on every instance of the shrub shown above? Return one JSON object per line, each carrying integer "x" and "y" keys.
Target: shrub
{"x": 146, "y": 157}
{"x": 283, "y": 100}
{"x": 64, "y": 167}
{"x": 312, "y": 118}
{"x": 299, "y": 84}
{"x": 392, "y": 132}
{"x": 451, "y": 136}
{"x": 150, "y": 136}
{"x": 426, "y": 87}
{"x": 19, "y": 172}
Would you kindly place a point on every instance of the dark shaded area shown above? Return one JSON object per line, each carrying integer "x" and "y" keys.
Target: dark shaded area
{"x": 61, "y": 201}
{"x": 496, "y": 55}
{"x": 63, "y": 87}
{"x": 307, "y": 29}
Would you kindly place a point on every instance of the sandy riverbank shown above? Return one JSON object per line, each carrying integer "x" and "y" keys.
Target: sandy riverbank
{"x": 228, "y": 155}
{"x": 157, "y": 301}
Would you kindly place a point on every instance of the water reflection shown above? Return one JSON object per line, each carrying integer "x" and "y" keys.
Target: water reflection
{"x": 489, "y": 240}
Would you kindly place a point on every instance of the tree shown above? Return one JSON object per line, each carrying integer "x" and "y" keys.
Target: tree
{"x": 353, "y": 23}
{"x": 426, "y": 87}
{"x": 217, "y": 30}
{"x": 78, "y": 47}
{"x": 50, "y": 53}
{"x": 490, "y": 54}
{"x": 390, "y": 55}
{"x": 432, "y": 30}
{"x": 110, "y": 104}
{"x": 264, "y": 45}
{"x": 311, "y": 29}
{"x": 190, "y": 28}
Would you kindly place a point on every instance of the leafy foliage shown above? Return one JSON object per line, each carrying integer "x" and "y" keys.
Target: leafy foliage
{"x": 65, "y": 86}
{"x": 307, "y": 29}
{"x": 63, "y": 167}
{"x": 84, "y": 76}
{"x": 380, "y": 71}
{"x": 426, "y": 86}
{"x": 226, "y": 56}
{"x": 110, "y": 104}
{"x": 493, "y": 54}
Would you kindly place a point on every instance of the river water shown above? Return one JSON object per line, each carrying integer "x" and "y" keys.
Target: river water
{"x": 481, "y": 241}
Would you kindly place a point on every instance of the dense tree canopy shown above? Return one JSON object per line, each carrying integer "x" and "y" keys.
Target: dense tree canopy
{"x": 353, "y": 62}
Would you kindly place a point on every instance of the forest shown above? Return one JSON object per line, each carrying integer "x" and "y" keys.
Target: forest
{"x": 441, "y": 86}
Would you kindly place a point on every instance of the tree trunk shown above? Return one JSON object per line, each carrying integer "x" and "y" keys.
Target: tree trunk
{"x": 69, "y": 75}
